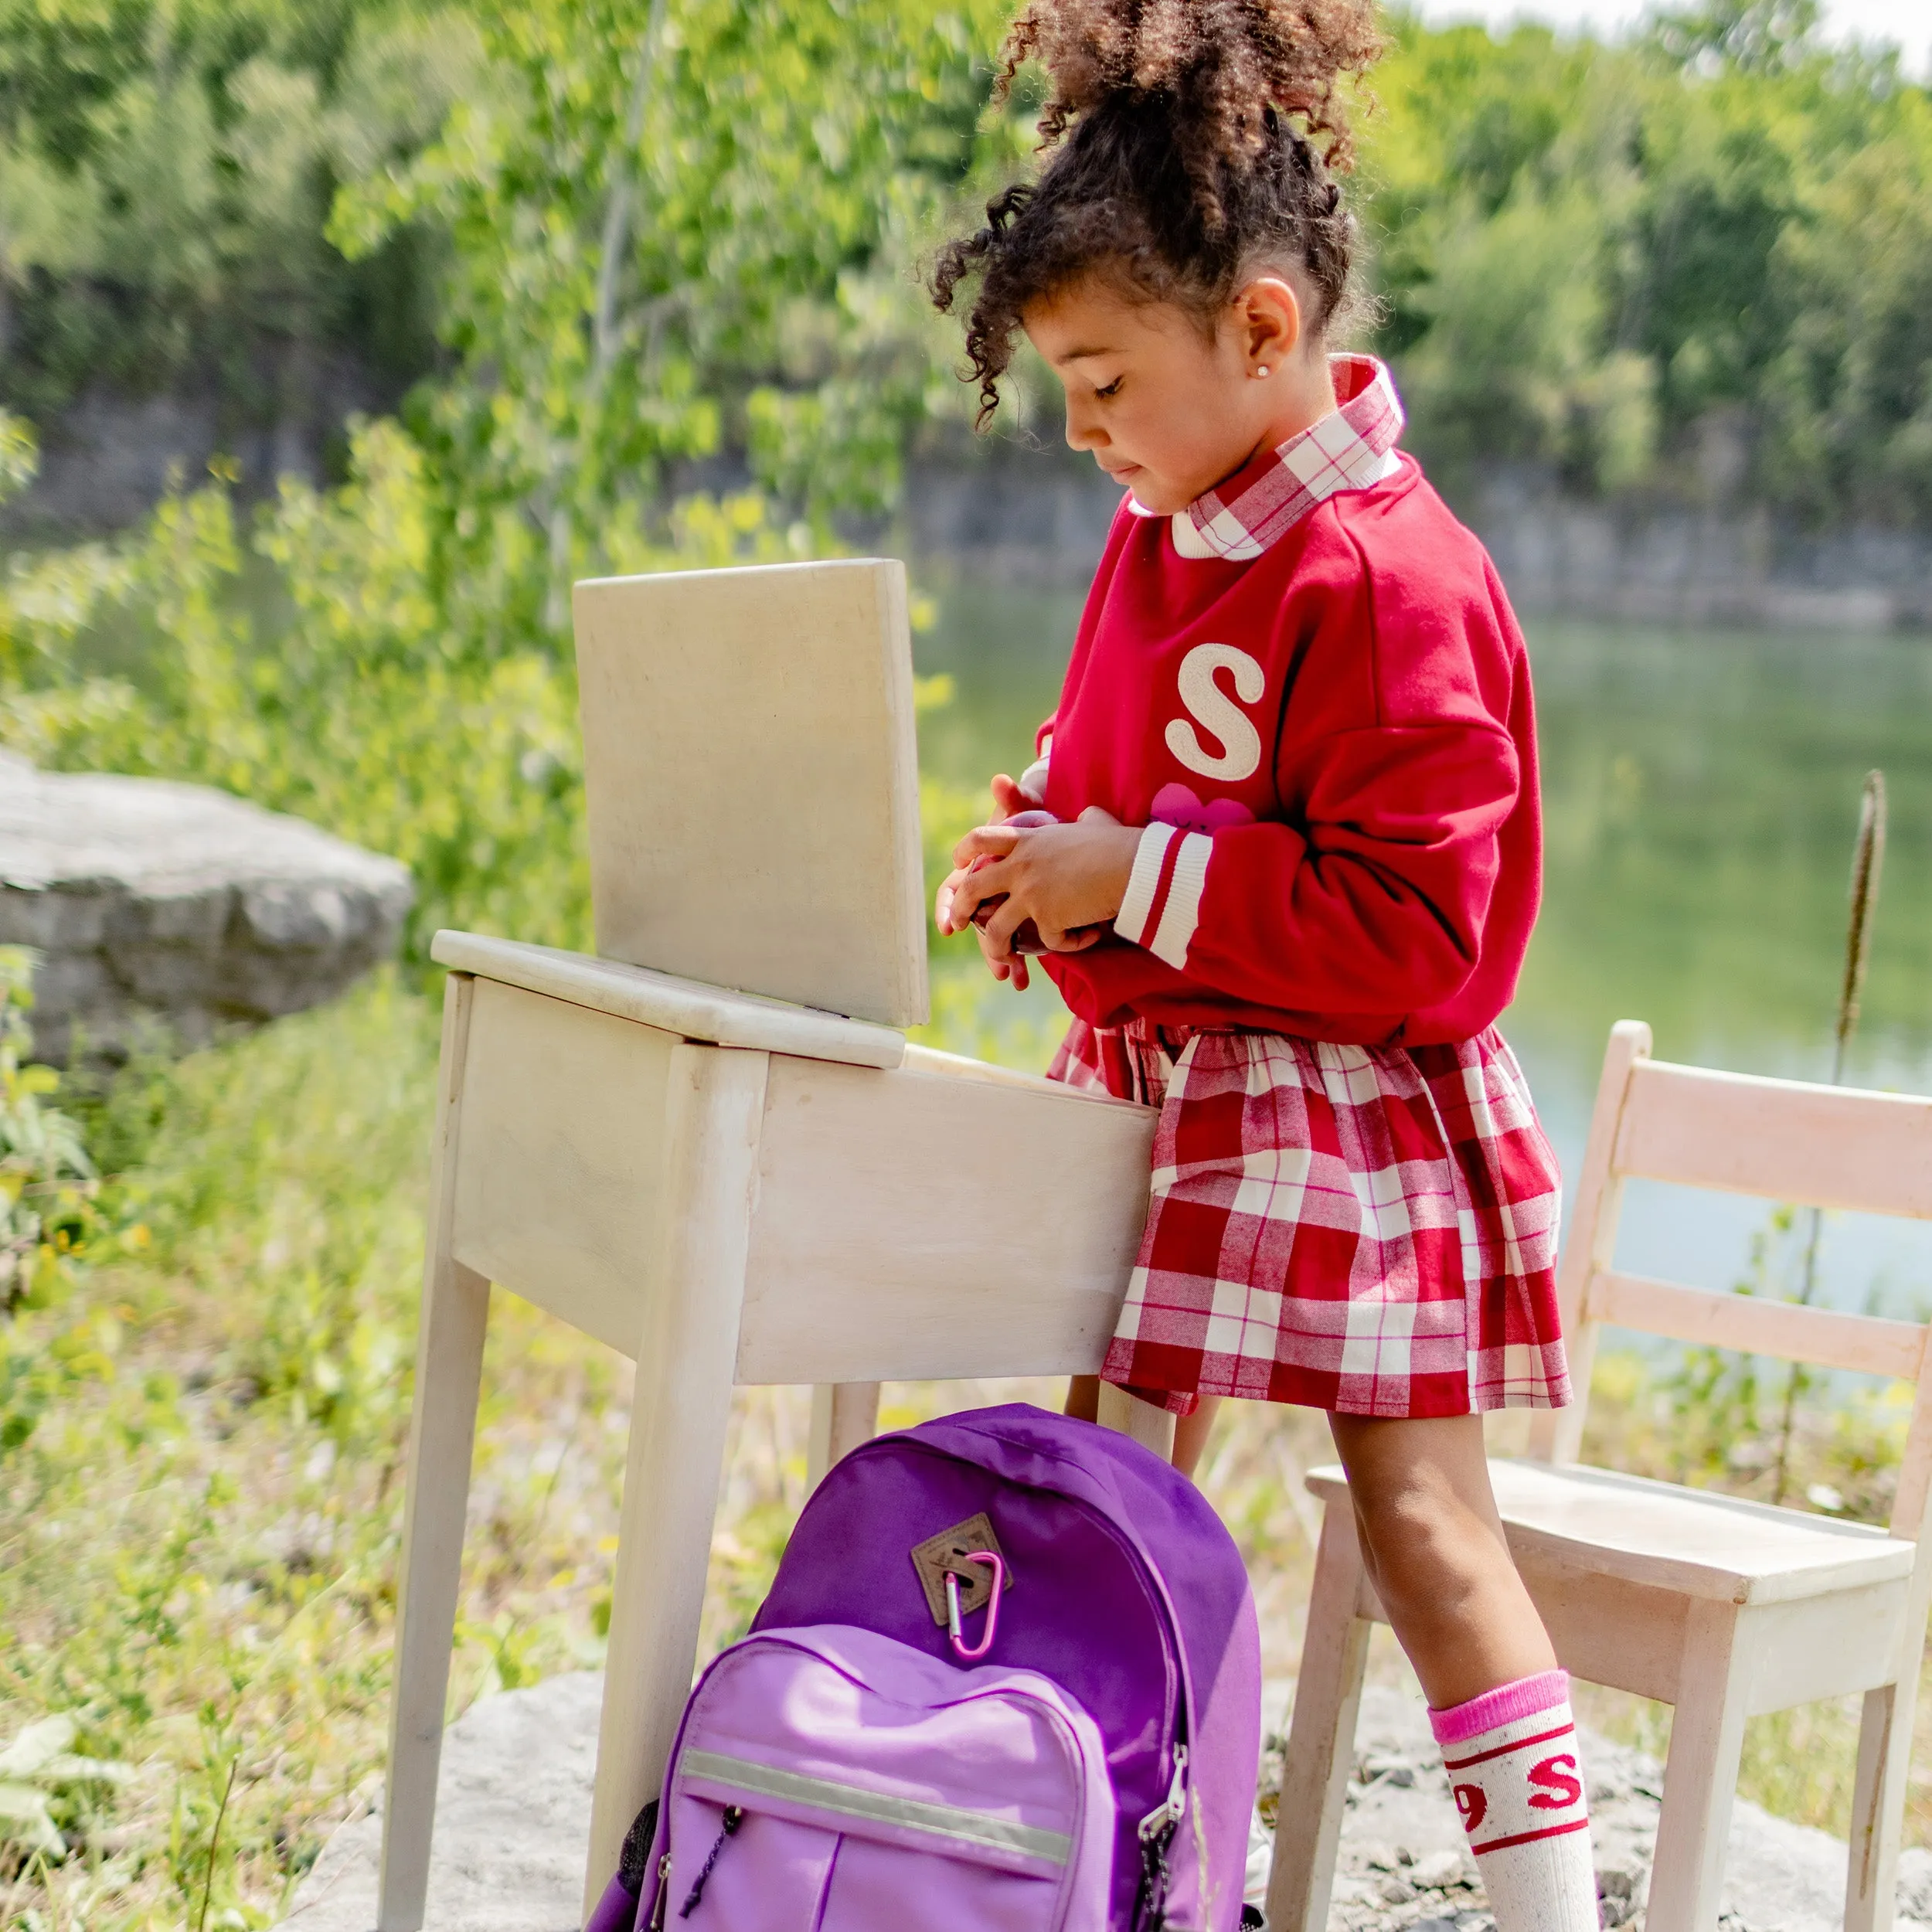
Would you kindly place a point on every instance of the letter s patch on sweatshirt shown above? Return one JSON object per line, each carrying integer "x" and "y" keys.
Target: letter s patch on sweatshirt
{"x": 1211, "y": 707}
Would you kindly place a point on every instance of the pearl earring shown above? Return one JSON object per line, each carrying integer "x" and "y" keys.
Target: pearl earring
{"x": 1263, "y": 370}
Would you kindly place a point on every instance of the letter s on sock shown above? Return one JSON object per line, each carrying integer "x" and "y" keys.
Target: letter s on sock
{"x": 1559, "y": 1787}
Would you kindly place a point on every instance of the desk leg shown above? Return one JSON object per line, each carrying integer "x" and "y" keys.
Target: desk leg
{"x": 844, "y": 1414}
{"x": 715, "y": 1111}
{"x": 449, "y": 1370}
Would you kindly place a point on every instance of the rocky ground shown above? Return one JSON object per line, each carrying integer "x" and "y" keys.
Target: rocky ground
{"x": 515, "y": 1804}
{"x": 1404, "y": 1869}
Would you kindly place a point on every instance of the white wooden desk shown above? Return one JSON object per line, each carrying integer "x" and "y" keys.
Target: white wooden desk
{"x": 729, "y": 1190}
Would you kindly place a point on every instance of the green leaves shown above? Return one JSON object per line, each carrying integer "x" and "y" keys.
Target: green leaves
{"x": 680, "y": 231}
{"x": 36, "y": 1769}
{"x": 1621, "y": 263}
{"x": 166, "y": 173}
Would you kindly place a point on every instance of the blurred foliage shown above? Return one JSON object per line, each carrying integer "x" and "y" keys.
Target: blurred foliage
{"x": 679, "y": 232}
{"x": 166, "y": 170}
{"x": 47, "y": 1215}
{"x": 626, "y": 240}
{"x": 1696, "y": 262}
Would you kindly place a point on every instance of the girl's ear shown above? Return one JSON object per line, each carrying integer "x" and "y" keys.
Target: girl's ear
{"x": 1267, "y": 314}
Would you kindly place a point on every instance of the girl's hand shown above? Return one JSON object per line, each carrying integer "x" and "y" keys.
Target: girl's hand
{"x": 1062, "y": 877}
{"x": 1001, "y": 961}
{"x": 1008, "y": 801}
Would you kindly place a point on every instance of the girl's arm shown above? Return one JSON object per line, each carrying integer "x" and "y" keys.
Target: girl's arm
{"x": 1375, "y": 904}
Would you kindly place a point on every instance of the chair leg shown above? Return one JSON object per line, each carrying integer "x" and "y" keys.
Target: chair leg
{"x": 679, "y": 1415}
{"x": 1129, "y": 1416}
{"x": 1327, "y": 1696}
{"x": 449, "y": 1371}
{"x": 844, "y": 1414}
{"x": 1700, "y": 1775}
{"x": 1878, "y": 1803}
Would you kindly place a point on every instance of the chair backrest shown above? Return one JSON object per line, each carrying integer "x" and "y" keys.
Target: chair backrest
{"x": 752, "y": 781}
{"x": 1787, "y": 1140}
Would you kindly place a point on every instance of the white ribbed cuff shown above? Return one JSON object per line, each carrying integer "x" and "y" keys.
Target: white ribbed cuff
{"x": 1182, "y": 913}
{"x": 1131, "y": 920}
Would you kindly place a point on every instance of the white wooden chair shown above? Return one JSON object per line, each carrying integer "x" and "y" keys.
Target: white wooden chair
{"x": 729, "y": 1187}
{"x": 1723, "y": 1608}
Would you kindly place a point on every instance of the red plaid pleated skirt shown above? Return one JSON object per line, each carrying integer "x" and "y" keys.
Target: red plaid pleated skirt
{"x": 1366, "y": 1230}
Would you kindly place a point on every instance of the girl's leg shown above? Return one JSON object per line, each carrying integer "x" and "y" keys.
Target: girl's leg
{"x": 1083, "y": 1398}
{"x": 1434, "y": 1547}
{"x": 1190, "y": 1433}
{"x": 1433, "y": 1544}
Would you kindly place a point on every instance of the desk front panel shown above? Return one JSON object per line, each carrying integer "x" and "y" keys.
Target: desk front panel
{"x": 916, "y": 1224}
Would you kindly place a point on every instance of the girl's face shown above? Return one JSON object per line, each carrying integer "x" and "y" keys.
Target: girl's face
{"x": 1168, "y": 411}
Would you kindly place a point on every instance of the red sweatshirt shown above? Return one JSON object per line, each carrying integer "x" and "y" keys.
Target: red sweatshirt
{"x": 1330, "y": 744}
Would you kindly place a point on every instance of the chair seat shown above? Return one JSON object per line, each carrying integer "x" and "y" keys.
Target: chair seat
{"x": 1690, "y": 1541}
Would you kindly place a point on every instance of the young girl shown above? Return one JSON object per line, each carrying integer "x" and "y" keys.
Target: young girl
{"x": 1294, "y": 858}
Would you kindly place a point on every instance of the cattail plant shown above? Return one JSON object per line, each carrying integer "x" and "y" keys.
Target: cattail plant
{"x": 1868, "y": 860}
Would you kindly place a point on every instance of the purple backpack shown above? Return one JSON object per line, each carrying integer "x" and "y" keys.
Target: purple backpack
{"x": 1008, "y": 1676}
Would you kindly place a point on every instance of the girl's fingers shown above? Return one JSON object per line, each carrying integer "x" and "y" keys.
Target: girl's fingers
{"x": 971, "y": 890}
{"x": 948, "y": 913}
{"x": 985, "y": 842}
{"x": 1001, "y": 923}
{"x": 1007, "y": 798}
{"x": 1077, "y": 939}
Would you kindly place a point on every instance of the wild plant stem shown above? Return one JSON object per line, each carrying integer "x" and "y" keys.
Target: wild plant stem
{"x": 1868, "y": 860}
{"x": 214, "y": 1846}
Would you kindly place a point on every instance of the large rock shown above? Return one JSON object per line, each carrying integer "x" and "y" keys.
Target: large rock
{"x": 512, "y": 1823}
{"x": 150, "y": 901}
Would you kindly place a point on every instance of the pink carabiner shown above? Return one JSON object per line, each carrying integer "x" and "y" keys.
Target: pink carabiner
{"x": 953, "y": 1623}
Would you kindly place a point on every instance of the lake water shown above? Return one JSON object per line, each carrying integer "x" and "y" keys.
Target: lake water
{"x": 1701, "y": 794}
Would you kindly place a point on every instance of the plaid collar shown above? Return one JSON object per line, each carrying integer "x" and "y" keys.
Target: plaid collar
{"x": 1350, "y": 450}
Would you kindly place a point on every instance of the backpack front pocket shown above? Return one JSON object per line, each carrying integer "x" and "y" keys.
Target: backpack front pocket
{"x": 759, "y": 1848}
{"x": 831, "y": 1780}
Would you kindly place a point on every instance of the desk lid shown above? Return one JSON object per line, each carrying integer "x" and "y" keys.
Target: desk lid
{"x": 713, "y": 1014}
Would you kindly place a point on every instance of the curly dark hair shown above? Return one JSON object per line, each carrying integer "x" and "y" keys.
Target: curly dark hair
{"x": 1187, "y": 144}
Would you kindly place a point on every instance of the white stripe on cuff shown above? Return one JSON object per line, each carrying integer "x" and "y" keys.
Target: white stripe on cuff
{"x": 1130, "y": 921}
{"x": 1182, "y": 912}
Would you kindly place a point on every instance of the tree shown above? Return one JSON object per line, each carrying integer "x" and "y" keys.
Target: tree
{"x": 682, "y": 232}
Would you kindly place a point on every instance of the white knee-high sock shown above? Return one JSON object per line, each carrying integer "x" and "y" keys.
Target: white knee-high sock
{"x": 1513, "y": 1766}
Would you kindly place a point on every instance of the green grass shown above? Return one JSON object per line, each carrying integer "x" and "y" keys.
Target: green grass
{"x": 197, "y": 1537}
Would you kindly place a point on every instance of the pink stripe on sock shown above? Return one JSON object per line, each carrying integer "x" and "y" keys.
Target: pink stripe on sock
{"x": 1507, "y": 1704}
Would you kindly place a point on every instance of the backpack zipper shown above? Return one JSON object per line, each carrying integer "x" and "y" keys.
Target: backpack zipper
{"x": 728, "y": 1828}
{"x": 657, "y": 1910}
{"x": 1157, "y": 1831}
